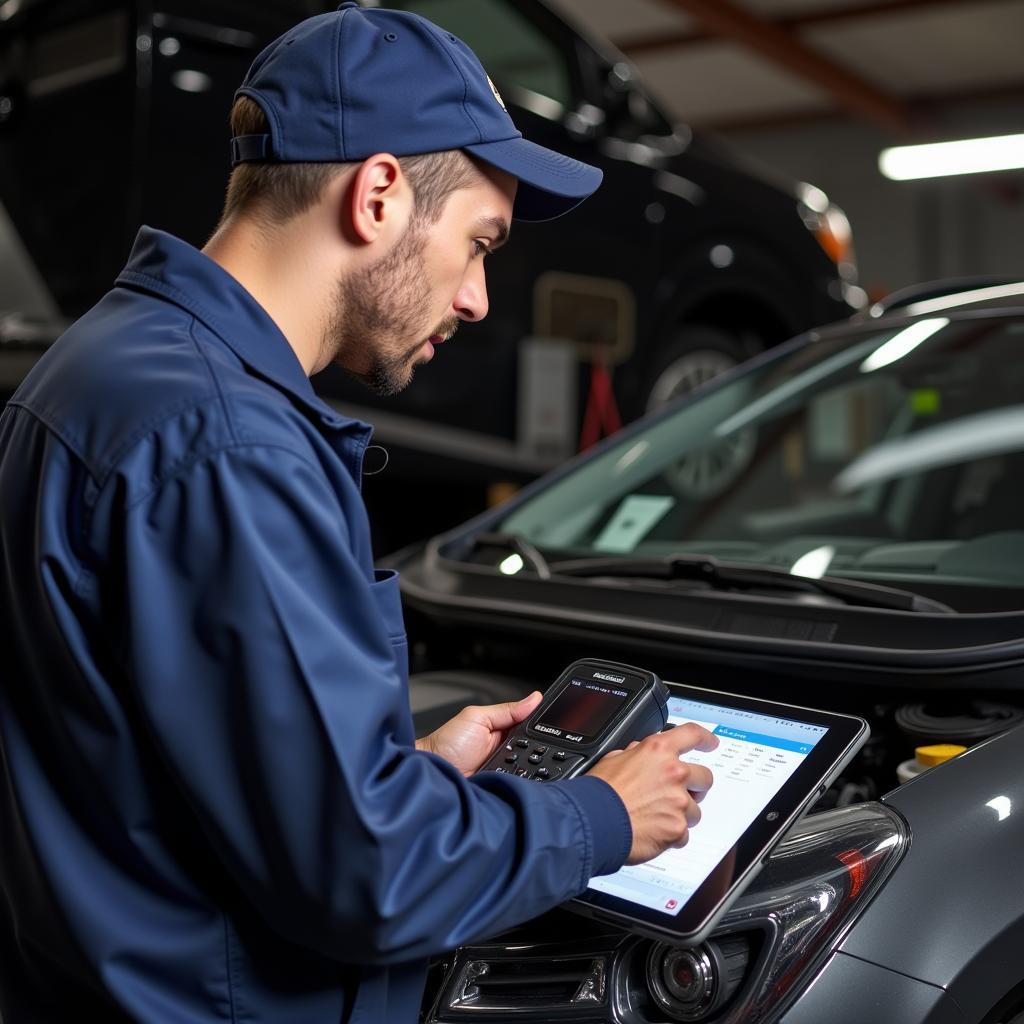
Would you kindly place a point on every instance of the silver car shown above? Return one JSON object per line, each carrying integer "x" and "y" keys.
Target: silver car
{"x": 839, "y": 523}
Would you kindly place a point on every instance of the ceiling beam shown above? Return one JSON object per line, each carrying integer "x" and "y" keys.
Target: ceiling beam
{"x": 791, "y": 22}
{"x": 852, "y": 92}
{"x": 868, "y": 9}
{"x": 925, "y": 107}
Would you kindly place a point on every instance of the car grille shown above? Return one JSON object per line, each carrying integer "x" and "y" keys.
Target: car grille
{"x": 531, "y": 987}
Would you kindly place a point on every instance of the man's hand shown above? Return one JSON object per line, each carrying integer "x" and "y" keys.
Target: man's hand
{"x": 661, "y": 793}
{"x": 469, "y": 739}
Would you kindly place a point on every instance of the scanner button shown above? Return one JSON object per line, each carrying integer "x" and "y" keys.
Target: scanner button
{"x": 541, "y": 773}
{"x": 559, "y": 755}
{"x": 540, "y": 750}
{"x": 535, "y": 759}
{"x": 511, "y": 759}
{"x": 522, "y": 744}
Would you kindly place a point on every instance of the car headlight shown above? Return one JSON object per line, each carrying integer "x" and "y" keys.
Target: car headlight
{"x": 775, "y": 938}
{"x": 693, "y": 983}
{"x": 763, "y": 953}
{"x": 831, "y": 229}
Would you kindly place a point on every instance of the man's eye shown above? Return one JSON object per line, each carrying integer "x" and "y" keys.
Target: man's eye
{"x": 481, "y": 248}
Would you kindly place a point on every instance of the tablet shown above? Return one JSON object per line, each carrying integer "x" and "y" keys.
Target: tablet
{"x": 772, "y": 760}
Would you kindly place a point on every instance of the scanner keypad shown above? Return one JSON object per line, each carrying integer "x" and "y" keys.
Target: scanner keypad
{"x": 544, "y": 763}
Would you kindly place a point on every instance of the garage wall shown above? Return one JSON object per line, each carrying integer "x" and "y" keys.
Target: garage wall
{"x": 907, "y": 232}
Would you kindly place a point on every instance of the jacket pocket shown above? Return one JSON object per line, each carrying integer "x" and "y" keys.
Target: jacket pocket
{"x": 389, "y": 604}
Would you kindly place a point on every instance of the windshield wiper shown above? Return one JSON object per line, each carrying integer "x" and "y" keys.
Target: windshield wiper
{"x": 715, "y": 575}
{"x": 731, "y": 576}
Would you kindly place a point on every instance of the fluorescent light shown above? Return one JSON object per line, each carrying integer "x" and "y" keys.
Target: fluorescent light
{"x": 902, "y": 344}
{"x": 941, "y": 159}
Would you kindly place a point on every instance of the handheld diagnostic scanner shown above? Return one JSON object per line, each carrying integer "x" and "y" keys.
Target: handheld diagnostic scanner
{"x": 593, "y": 707}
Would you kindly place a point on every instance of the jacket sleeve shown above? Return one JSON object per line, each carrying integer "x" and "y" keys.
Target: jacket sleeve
{"x": 267, "y": 679}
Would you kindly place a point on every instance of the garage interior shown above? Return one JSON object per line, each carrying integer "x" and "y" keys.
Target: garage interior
{"x": 816, "y": 90}
{"x": 695, "y": 433}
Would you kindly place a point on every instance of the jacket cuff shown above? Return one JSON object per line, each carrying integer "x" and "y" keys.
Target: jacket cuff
{"x": 611, "y": 834}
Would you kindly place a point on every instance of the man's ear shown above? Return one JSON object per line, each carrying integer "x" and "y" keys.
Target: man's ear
{"x": 380, "y": 199}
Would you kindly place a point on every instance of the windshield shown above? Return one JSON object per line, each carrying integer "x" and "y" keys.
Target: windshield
{"x": 890, "y": 454}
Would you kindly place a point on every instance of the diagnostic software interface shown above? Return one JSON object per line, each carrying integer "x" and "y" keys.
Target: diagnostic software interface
{"x": 755, "y": 756}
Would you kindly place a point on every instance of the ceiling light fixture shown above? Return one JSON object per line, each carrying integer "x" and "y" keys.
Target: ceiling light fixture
{"x": 942, "y": 159}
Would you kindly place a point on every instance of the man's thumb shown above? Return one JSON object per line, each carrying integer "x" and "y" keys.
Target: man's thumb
{"x": 522, "y": 709}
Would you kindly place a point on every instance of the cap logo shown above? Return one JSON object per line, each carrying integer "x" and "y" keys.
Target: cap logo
{"x": 497, "y": 95}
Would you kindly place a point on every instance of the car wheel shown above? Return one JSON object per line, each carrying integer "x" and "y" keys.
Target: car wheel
{"x": 692, "y": 357}
{"x": 695, "y": 356}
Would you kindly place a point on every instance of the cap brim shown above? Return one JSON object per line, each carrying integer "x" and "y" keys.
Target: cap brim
{"x": 550, "y": 183}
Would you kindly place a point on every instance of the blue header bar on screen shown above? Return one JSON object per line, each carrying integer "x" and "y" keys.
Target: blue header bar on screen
{"x": 764, "y": 741}
{"x": 748, "y": 725}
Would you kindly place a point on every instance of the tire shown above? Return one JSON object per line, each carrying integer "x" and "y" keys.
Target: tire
{"x": 694, "y": 354}
{"x": 693, "y": 357}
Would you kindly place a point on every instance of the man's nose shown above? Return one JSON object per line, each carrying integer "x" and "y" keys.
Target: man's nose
{"x": 471, "y": 300}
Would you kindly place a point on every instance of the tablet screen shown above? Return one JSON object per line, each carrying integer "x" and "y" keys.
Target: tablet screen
{"x": 757, "y": 753}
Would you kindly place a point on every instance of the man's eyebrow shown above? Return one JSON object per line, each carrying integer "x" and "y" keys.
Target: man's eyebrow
{"x": 499, "y": 227}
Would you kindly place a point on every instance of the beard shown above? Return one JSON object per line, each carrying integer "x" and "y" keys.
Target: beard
{"x": 375, "y": 309}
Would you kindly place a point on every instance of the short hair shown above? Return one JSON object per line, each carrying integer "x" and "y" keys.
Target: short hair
{"x": 275, "y": 192}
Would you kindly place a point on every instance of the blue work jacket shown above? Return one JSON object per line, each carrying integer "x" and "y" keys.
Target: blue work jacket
{"x": 211, "y": 807}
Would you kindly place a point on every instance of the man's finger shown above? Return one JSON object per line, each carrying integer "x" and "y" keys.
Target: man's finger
{"x": 691, "y": 736}
{"x": 682, "y": 841}
{"x": 699, "y": 779}
{"x": 692, "y": 815}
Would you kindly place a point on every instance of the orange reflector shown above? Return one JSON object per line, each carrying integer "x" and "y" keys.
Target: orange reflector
{"x": 857, "y": 867}
{"x": 838, "y": 249}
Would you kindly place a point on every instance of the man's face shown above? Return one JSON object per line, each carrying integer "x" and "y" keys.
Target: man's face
{"x": 389, "y": 317}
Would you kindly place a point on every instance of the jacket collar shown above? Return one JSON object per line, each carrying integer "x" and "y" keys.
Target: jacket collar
{"x": 168, "y": 267}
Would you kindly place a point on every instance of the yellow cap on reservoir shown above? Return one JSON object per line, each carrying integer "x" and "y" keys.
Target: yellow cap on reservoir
{"x": 937, "y": 753}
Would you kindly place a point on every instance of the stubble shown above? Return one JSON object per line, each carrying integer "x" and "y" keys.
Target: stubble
{"x": 375, "y": 311}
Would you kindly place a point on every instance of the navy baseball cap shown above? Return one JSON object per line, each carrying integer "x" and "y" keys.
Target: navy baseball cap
{"x": 342, "y": 86}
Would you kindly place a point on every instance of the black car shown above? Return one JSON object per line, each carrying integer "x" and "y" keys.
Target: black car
{"x": 837, "y": 524}
{"x": 114, "y": 113}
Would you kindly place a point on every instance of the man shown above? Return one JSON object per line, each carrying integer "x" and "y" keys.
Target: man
{"x": 211, "y": 802}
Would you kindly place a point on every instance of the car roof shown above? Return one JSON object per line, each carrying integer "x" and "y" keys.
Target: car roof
{"x": 951, "y": 294}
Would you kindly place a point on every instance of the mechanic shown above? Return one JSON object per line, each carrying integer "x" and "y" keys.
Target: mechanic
{"x": 211, "y": 801}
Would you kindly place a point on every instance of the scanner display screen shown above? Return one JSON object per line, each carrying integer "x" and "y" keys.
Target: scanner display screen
{"x": 583, "y": 710}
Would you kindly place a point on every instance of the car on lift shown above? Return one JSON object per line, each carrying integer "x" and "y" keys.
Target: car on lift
{"x": 838, "y": 523}
{"x": 684, "y": 263}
